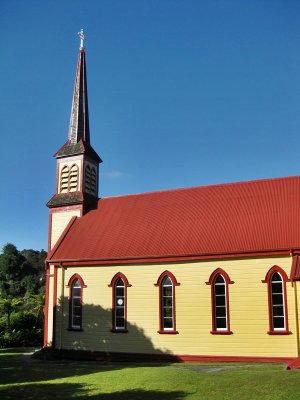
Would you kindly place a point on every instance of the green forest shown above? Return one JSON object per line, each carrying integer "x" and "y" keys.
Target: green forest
{"x": 22, "y": 296}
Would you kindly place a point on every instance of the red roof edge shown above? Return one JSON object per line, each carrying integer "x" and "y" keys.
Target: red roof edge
{"x": 295, "y": 271}
{"x": 165, "y": 259}
{"x": 61, "y": 238}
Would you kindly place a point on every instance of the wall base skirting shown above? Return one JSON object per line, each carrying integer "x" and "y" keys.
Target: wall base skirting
{"x": 292, "y": 362}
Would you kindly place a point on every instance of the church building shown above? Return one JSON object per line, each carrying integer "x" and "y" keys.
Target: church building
{"x": 203, "y": 273}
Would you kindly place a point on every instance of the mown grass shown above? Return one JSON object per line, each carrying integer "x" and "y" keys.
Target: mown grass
{"x": 24, "y": 378}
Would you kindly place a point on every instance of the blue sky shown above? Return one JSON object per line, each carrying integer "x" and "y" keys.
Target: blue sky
{"x": 181, "y": 93}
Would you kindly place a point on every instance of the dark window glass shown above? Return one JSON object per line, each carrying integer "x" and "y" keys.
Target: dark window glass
{"x": 119, "y": 313}
{"x": 220, "y": 306}
{"x": 277, "y": 299}
{"x": 167, "y": 304}
{"x": 76, "y": 306}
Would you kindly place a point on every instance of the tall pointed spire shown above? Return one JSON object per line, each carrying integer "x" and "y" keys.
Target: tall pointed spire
{"x": 79, "y": 121}
{"x": 77, "y": 166}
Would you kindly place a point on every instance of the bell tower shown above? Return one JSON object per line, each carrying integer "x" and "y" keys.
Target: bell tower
{"x": 77, "y": 163}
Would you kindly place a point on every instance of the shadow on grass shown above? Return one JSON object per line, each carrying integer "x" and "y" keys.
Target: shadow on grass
{"x": 95, "y": 337}
{"x": 96, "y": 332}
{"x": 68, "y": 391}
{"x": 20, "y": 369}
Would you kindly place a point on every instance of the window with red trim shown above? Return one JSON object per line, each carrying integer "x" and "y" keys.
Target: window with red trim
{"x": 167, "y": 310}
{"x": 75, "y": 285}
{"x": 276, "y": 279}
{"x": 219, "y": 281}
{"x": 119, "y": 286}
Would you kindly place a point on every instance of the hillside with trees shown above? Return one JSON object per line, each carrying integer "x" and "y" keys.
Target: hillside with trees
{"x": 22, "y": 295}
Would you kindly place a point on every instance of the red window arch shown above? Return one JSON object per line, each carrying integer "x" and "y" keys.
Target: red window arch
{"x": 167, "y": 305}
{"x": 75, "y": 286}
{"x": 276, "y": 279}
{"x": 119, "y": 285}
{"x": 219, "y": 281}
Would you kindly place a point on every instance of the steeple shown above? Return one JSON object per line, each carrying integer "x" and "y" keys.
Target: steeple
{"x": 77, "y": 166}
{"x": 79, "y": 121}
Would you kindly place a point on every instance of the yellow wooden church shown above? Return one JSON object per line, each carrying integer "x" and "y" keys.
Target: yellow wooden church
{"x": 203, "y": 273}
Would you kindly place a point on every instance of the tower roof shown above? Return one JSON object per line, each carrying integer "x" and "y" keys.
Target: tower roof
{"x": 79, "y": 131}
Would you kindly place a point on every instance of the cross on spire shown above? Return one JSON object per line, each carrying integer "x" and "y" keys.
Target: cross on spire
{"x": 81, "y": 35}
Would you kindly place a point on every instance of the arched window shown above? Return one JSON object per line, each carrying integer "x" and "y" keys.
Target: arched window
{"x": 69, "y": 179}
{"x": 167, "y": 309}
{"x": 64, "y": 179}
{"x": 219, "y": 281}
{"x": 88, "y": 178}
{"x": 276, "y": 280}
{"x": 119, "y": 285}
{"x": 75, "y": 302}
{"x": 73, "y": 178}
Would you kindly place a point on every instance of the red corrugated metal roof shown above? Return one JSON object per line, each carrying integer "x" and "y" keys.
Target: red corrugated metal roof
{"x": 244, "y": 217}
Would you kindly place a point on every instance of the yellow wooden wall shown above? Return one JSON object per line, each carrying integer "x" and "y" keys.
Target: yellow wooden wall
{"x": 248, "y": 298}
{"x": 60, "y": 220}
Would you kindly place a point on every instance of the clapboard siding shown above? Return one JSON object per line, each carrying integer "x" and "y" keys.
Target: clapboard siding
{"x": 248, "y": 298}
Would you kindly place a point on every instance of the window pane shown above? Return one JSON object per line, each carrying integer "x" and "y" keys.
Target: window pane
{"x": 278, "y": 311}
{"x": 168, "y": 312}
{"x": 120, "y": 322}
{"x": 168, "y": 323}
{"x": 221, "y": 323}
{"x": 219, "y": 279}
{"x": 167, "y": 282}
{"x": 167, "y": 291}
{"x": 276, "y": 287}
{"x": 276, "y": 277}
{"x": 76, "y": 302}
{"x": 220, "y": 300}
{"x": 219, "y": 289}
{"x": 120, "y": 311}
{"x": 76, "y": 310}
{"x": 120, "y": 282}
{"x": 76, "y": 320}
{"x": 278, "y": 322}
{"x": 277, "y": 299}
{"x": 220, "y": 311}
{"x": 167, "y": 301}
{"x": 120, "y": 291}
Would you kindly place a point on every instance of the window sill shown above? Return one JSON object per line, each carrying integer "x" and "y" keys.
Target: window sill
{"x": 279, "y": 332}
{"x": 75, "y": 329}
{"x": 167, "y": 332}
{"x": 221, "y": 332}
{"x": 119, "y": 330}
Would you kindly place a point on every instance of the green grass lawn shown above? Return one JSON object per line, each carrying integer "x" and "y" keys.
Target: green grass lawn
{"x": 24, "y": 378}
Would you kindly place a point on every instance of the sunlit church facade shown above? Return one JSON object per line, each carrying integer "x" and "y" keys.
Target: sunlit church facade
{"x": 203, "y": 273}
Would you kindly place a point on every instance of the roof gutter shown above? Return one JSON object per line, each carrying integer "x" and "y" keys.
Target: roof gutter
{"x": 168, "y": 258}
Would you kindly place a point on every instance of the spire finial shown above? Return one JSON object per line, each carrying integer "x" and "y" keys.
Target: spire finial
{"x": 81, "y": 35}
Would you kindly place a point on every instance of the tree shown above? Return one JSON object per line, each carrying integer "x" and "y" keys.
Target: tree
{"x": 12, "y": 270}
{"x": 7, "y": 306}
{"x": 21, "y": 273}
{"x": 36, "y": 303}
{"x": 22, "y": 287}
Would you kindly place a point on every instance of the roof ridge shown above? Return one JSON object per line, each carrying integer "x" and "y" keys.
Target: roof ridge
{"x": 201, "y": 186}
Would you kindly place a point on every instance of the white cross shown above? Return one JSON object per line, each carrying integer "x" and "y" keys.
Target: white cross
{"x": 81, "y": 35}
